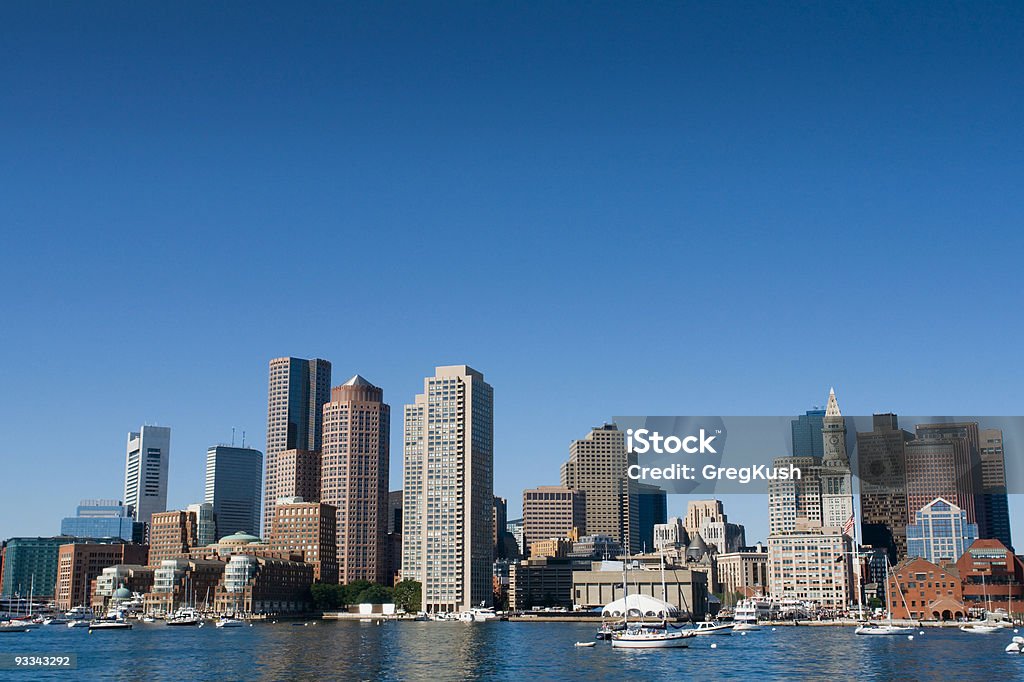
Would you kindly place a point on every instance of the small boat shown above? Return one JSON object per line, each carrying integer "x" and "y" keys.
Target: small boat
{"x": 57, "y": 620}
{"x": 79, "y": 623}
{"x": 229, "y": 623}
{"x": 109, "y": 625}
{"x": 651, "y": 638}
{"x": 712, "y": 627}
{"x": 13, "y": 627}
{"x": 745, "y": 627}
{"x": 883, "y": 629}
{"x": 979, "y": 629}
{"x": 148, "y": 619}
{"x": 1016, "y": 646}
{"x": 584, "y": 644}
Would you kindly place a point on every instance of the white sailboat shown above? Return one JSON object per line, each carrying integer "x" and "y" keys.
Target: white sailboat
{"x": 983, "y": 627}
{"x": 887, "y": 628}
{"x": 641, "y": 636}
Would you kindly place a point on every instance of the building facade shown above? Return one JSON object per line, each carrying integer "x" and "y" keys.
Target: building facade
{"x": 542, "y": 582}
{"x": 881, "y": 468}
{"x": 297, "y": 392}
{"x": 994, "y": 507}
{"x": 597, "y": 465}
{"x": 309, "y": 528}
{"x": 652, "y": 509}
{"x": 743, "y": 572}
{"x": 260, "y": 584}
{"x": 171, "y": 535}
{"x": 811, "y": 565}
{"x": 234, "y": 483}
{"x": 835, "y": 475}
{"x": 956, "y": 474}
{"x": 940, "y": 533}
{"x": 671, "y": 534}
{"x": 992, "y": 577}
{"x": 685, "y": 589}
{"x": 448, "y": 506}
{"x": 30, "y": 566}
{"x": 918, "y": 589}
{"x": 145, "y": 471}
{"x": 78, "y": 565}
{"x": 103, "y": 519}
{"x": 354, "y": 474}
{"x": 552, "y": 512}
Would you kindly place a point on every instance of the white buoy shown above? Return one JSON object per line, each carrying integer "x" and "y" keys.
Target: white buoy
{"x": 714, "y": 646}
{"x": 743, "y": 634}
{"x": 910, "y": 637}
{"x": 773, "y": 629}
{"x": 921, "y": 633}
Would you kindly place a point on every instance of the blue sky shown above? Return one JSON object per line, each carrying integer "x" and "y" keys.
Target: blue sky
{"x": 687, "y": 208}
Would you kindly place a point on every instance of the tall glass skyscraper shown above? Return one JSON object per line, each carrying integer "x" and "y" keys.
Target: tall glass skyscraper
{"x": 233, "y": 478}
{"x": 103, "y": 519}
{"x": 807, "y": 440}
{"x": 940, "y": 531}
{"x": 145, "y": 471}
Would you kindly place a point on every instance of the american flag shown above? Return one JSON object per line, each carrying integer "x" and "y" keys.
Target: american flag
{"x": 848, "y": 526}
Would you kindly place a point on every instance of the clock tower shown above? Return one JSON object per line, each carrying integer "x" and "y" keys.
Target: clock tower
{"x": 836, "y": 478}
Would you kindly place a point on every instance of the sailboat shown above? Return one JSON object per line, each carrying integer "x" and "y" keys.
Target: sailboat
{"x": 887, "y": 628}
{"x": 982, "y": 628}
{"x": 641, "y": 636}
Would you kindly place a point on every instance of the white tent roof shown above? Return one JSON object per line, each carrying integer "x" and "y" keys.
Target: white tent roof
{"x": 639, "y": 605}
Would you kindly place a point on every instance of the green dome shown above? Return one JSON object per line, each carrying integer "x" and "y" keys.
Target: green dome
{"x": 240, "y": 538}
{"x": 122, "y": 593}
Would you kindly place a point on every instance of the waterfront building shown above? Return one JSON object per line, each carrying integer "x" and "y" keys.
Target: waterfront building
{"x": 671, "y": 534}
{"x": 253, "y": 584}
{"x": 540, "y": 582}
{"x": 835, "y": 475}
{"x": 296, "y": 395}
{"x": 145, "y": 471}
{"x": 811, "y": 565}
{"x": 183, "y": 582}
{"x": 137, "y": 578}
{"x": 552, "y": 512}
{"x": 881, "y": 468}
{"x": 515, "y": 529}
{"x": 682, "y": 587}
{"x": 30, "y": 565}
{"x": 918, "y": 589}
{"x": 234, "y": 482}
{"x": 743, "y": 572}
{"x": 652, "y": 509}
{"x": 795, "y": 503}
{"x": 552, "y": 548}
{"x": 171, "y": 535}
{"x": 309, "y": 528}
{"x": 994, "y": 508}
{"x": 806, "y": 431}
{"x": 206, "y": 523}
{"x": 448, "y": 510}
{"x": 354, "y": 460}
{"x": 953, "y": 474}
{"x": 103, "y": 519}
{"x": 940, "y": 532}
{"x": 80, "y": 563}
{"x": 992, "y": 577}
{"x": 596, "y": 466}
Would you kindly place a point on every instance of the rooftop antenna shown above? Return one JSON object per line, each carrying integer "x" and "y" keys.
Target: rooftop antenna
{"x": 232, "y": 436}
{"x": 243, "y": 438}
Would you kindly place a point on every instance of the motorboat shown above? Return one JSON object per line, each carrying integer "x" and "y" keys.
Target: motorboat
{"x": 229, "y": 623}
{"x": 1016, "y": 646}
{"x": 744, "y": 626}
{"x": 883, "y": 629}
{"x": 109, "y": 625}
{"x": 56, "y": 620}
{"x": 478, "y": 615}
{"x": 586, "y": 644}
{"x": 79, "y": 623}
{"x": 980, "y": 628}
{"x": 14, "y": 626}
{"x": 712, "y": 627}
{"x": 651, "y": 638}
{"x": 80, "y": 613}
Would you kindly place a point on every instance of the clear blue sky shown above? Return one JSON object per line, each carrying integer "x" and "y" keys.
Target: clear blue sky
{"x": 608, "y": 208}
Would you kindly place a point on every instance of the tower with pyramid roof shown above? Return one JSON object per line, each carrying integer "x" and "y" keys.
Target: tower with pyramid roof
{"x": 836, "y": 478}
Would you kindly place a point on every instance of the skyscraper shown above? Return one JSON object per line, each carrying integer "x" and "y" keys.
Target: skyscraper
{"x": 994, "y": 504}
{"x": 881, "y": 468}
{"x": 552, "y": 512}
{"x": 354, "y": 467}
{"x": 836, "y": 478}
{"x": 597, "y": 465}
{"x": 806, "y": 430}
{"x": 233, "y": 487}
{"x": 295, "y": 399}
{"x": 795, "y": 503}
{"x": 652, "y": 509}
{"x": 145, "y": 471}
{"x": 310, "y": 528}
{"x": 965, "y": 475}
{"x": 448, "y": 510}
{"x": 940, "y": 533}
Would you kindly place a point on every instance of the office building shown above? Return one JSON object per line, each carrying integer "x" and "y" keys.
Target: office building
{"x": 354, "y": 469}
{"x": 597, "y": 466}
{"x": 310, "y": 528}
{"x": 994, "y": 508}
{"x": 806, "y": 430}
{"x": 171, "y": 535}
{"x": 596, "y": 548}
{"x": 234, "y": 483}
{"x": 540, "y": 582}
{"x": 498, "y": 524}
{"x": 145, "y": 471}
{"x": 136, "y": 578}
{"x": 263, "y": 584}
{"x": 297, "y": 392}
{"x": 297, "y": 474}
{"x": 79, "y": 564}
{"x": 179, "y": 581}
{"x": 652, "y": 509}
{"x": 881, "y": 468}
{"x": 743, "y": 573}
{"x": 206, "y": 523}
{"x": 918, "y": 589}
{"x": 515, "y": 529}
{"x": 30, "y": 566}
{"x": 685, "y": 589}
{"x": 803, "y": 565}
{"x": 961, "y": 482}
{"x": 795, "y": 503}
{"x": 992, "y": 578}
{"x": 698, "y": 511}
{"x": 103, "y": 519}
{"x": 448, "y": 510}
{"x": 940, "y": 533}
{"x": 671, "y": 534}
{"x": 552, "y": 512}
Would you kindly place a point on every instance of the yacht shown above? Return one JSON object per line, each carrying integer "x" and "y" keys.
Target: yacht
{"x": 80, "y": 613}
{"x": 980, "y": 628}
{"x": 185, "y": 616}
{"x": 79, "y": 623}
{"x": 227, "y": 622}
{"x": 887, "y": 628}
{"x": 642, "y": 637}
{"x": 478, "y": 615}
{"x": 109, "y": 625}
{"x": 711, "y": 627}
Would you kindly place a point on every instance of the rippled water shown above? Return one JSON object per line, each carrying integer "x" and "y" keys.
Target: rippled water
{"x": 507, "y": 651}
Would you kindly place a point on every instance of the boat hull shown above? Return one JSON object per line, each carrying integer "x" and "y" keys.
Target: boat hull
{"x": 884, "y": 630}
{"x": 671, "y": 642}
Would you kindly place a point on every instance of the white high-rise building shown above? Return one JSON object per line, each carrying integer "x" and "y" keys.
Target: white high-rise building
{"x": 145, "y": 471}
{"x": 448, "y": 490}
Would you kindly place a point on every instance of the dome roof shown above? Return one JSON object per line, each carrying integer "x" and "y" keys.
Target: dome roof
{"x": 122, "y": 593}
{"x": 239, "y": 538}
{"x": 639, "y": 605}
